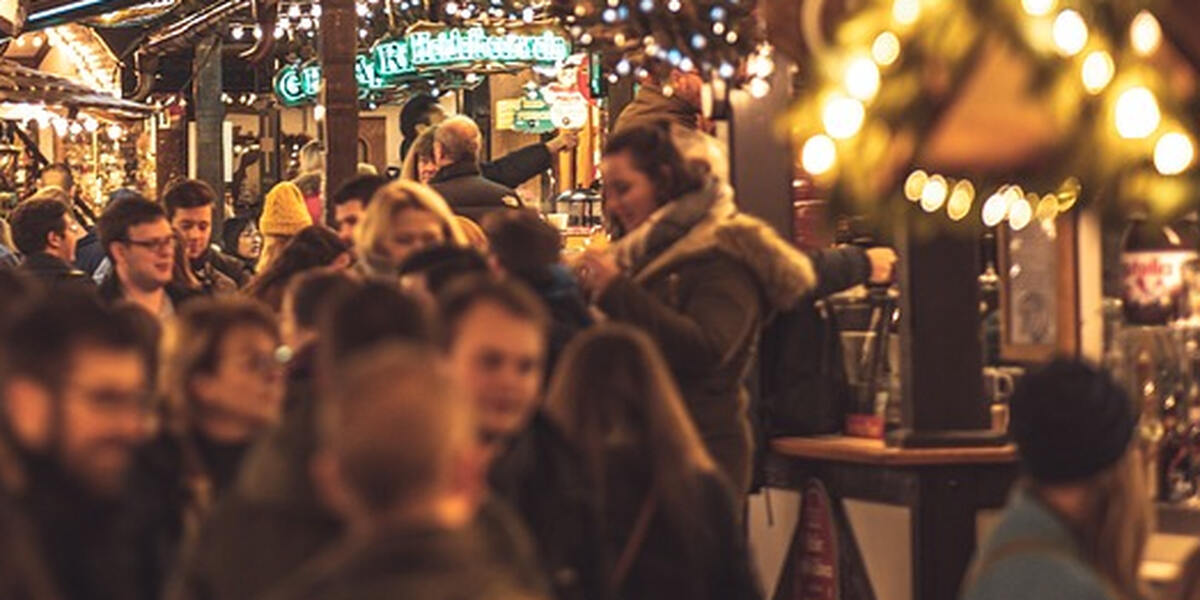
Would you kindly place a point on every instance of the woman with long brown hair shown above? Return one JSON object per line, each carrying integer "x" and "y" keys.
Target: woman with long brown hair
{"x": 666, "y": 512}
{"x": 315, "y": 247}
{"x": 1078, "y": 524}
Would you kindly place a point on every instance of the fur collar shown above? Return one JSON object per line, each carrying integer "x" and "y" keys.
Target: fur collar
{"x": 784, "y": 273}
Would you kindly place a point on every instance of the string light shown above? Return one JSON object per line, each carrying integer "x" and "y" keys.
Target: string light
{"x": 1097, "y": 72}
{"x": 862, "y": 78}
{"x": 1070, "y": 33}
{"x": 759, "y": 87}
{"x": 819, "y": 154}
{"x": 1137, "y": 114}
{"x": 914, "y": 185}
{"x": 995, "y": 209}
{"x": 934, "y": 194}
{"x": 906, "y": 12}
{"x": 1047, "y": 207}
{"x": 886, "y": 49}
{"x": 1020, "y": 213}
{"x": 843, "y": 117}
{"x": 1173, "y": 153}
{"x": 959, "y": 205}
{"x": 1038, "y": 8}
{"x": 1145, "y": 33}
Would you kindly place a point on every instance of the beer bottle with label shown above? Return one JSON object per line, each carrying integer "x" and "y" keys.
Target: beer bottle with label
{"x": 1152, "y": 259}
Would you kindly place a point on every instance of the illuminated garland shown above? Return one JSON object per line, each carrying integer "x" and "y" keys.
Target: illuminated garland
{"x": 871, "y": 92}
{"x": 709, "y": 37}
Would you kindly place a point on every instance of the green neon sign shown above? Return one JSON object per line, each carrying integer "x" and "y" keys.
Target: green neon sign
{"x": 396, "y": 60}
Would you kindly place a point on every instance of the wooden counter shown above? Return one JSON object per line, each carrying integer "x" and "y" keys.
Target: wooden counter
{"x": 874, "y": 452}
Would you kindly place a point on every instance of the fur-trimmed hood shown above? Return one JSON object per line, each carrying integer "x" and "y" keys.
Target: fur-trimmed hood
{"x": 784, "y": 273}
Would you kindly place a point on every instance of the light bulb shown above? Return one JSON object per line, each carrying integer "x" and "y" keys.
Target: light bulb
{"x": 1097, "y": 72}
{"x": 294, "y": 11}
{"x": 1020, "y": 213}
{"x": 1047, "y": 207}
{"x": 1137, "y": 114}
{"x": 906, "y": 12}
{"x": 914, "y": 185}
{"x": 1173, "y": 153}
{"x": 934, "y": 194}
{"x": 886, "y": 48}
{"x": 1145, "y": 34}
{"x": 819, "y": 154}
{"x": 1070, "y": 33}
{"x": 75, "y": 128}
{"x": 862, "y": 78}
{"x": 843, "y": 117}
{"x": 238, "y": 32}
{"x": 114, "y": 132}
{"x": 959, "y": 205}
{"x": 995, "y": 209}
{"x": 759, "y": 87}
{"x": 91, "y": 125}
{"x": 1038, "y": 8}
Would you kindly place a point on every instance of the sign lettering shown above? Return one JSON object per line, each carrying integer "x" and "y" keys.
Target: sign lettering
{"x": 395, "y": 60}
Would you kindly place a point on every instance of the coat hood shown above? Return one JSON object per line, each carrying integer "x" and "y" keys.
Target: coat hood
{"x": 784, "y": 273}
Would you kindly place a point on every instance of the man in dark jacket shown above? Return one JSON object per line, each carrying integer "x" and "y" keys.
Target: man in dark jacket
{"x": 189, "y": 205}
{"x": 46, "y": 233}
{"x": 141, "y": 244}
{"x": 456, "y": 148}
{"x": 401, "y": 460}
{"x": 511, "y": 170}
{"x": 495, "y": 338}
{"x": 73, "y": 407}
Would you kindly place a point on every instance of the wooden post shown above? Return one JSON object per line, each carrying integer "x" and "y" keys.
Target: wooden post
{"x": 762, "y": 164}
{"x": 339, "y": 94}
{"x": 210, "y": 122}
{"x": 940, "y": 349}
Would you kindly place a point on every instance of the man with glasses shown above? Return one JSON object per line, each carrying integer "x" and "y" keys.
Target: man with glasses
{"x": 141, "y": 245}
{"x": 73, "y": 406}
{"x": 46, "y": 234}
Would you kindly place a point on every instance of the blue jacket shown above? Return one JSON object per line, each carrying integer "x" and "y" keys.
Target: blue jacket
{"x": 1033, "y": 556}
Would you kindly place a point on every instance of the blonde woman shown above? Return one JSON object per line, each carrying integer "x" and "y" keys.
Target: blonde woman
{"x": 1077, "y": 526}
{"x": 403, "y": 217}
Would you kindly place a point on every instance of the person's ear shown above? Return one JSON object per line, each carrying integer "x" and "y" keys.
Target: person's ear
{"x": 54, "y": 240}
{"x": 118, "y": 252}
{"x": 27, "y": 406}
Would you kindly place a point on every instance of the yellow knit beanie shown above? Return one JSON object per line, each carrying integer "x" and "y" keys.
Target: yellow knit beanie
{"x": 284, "y": 211}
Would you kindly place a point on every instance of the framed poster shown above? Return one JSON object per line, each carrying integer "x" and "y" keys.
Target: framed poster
{"x": 1039, "y": 312}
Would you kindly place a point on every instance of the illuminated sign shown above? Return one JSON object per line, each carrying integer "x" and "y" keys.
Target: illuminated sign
{"x": 393, "y": 61}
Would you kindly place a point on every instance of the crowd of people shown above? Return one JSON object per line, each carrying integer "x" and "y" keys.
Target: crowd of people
{"x": 408, "y": 391}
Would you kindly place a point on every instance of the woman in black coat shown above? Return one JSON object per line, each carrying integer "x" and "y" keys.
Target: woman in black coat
{"x": 698, "y": 276}
{"x": 665, "y": 515}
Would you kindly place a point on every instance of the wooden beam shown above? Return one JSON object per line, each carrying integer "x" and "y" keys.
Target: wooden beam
{"x": 339, "y": 95}
{"x": 210, "y": 121}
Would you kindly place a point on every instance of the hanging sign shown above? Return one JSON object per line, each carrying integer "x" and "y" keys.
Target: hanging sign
{"x": 393, "y": 61}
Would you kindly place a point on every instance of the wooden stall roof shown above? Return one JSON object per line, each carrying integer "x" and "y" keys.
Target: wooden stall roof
{"x": 22, "y": 85}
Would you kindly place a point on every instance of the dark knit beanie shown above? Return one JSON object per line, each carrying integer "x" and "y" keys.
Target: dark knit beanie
{"x": 1070, "y": 421}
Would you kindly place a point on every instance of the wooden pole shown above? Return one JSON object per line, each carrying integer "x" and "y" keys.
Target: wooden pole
{"x": 339, "y": 94}
{"x": 210, "y": 122}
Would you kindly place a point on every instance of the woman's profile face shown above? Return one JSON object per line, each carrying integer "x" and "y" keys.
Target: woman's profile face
{"x": 249, "y": 242}
{"x": 426, "y": 168}
{"x": 629, "y": 194}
